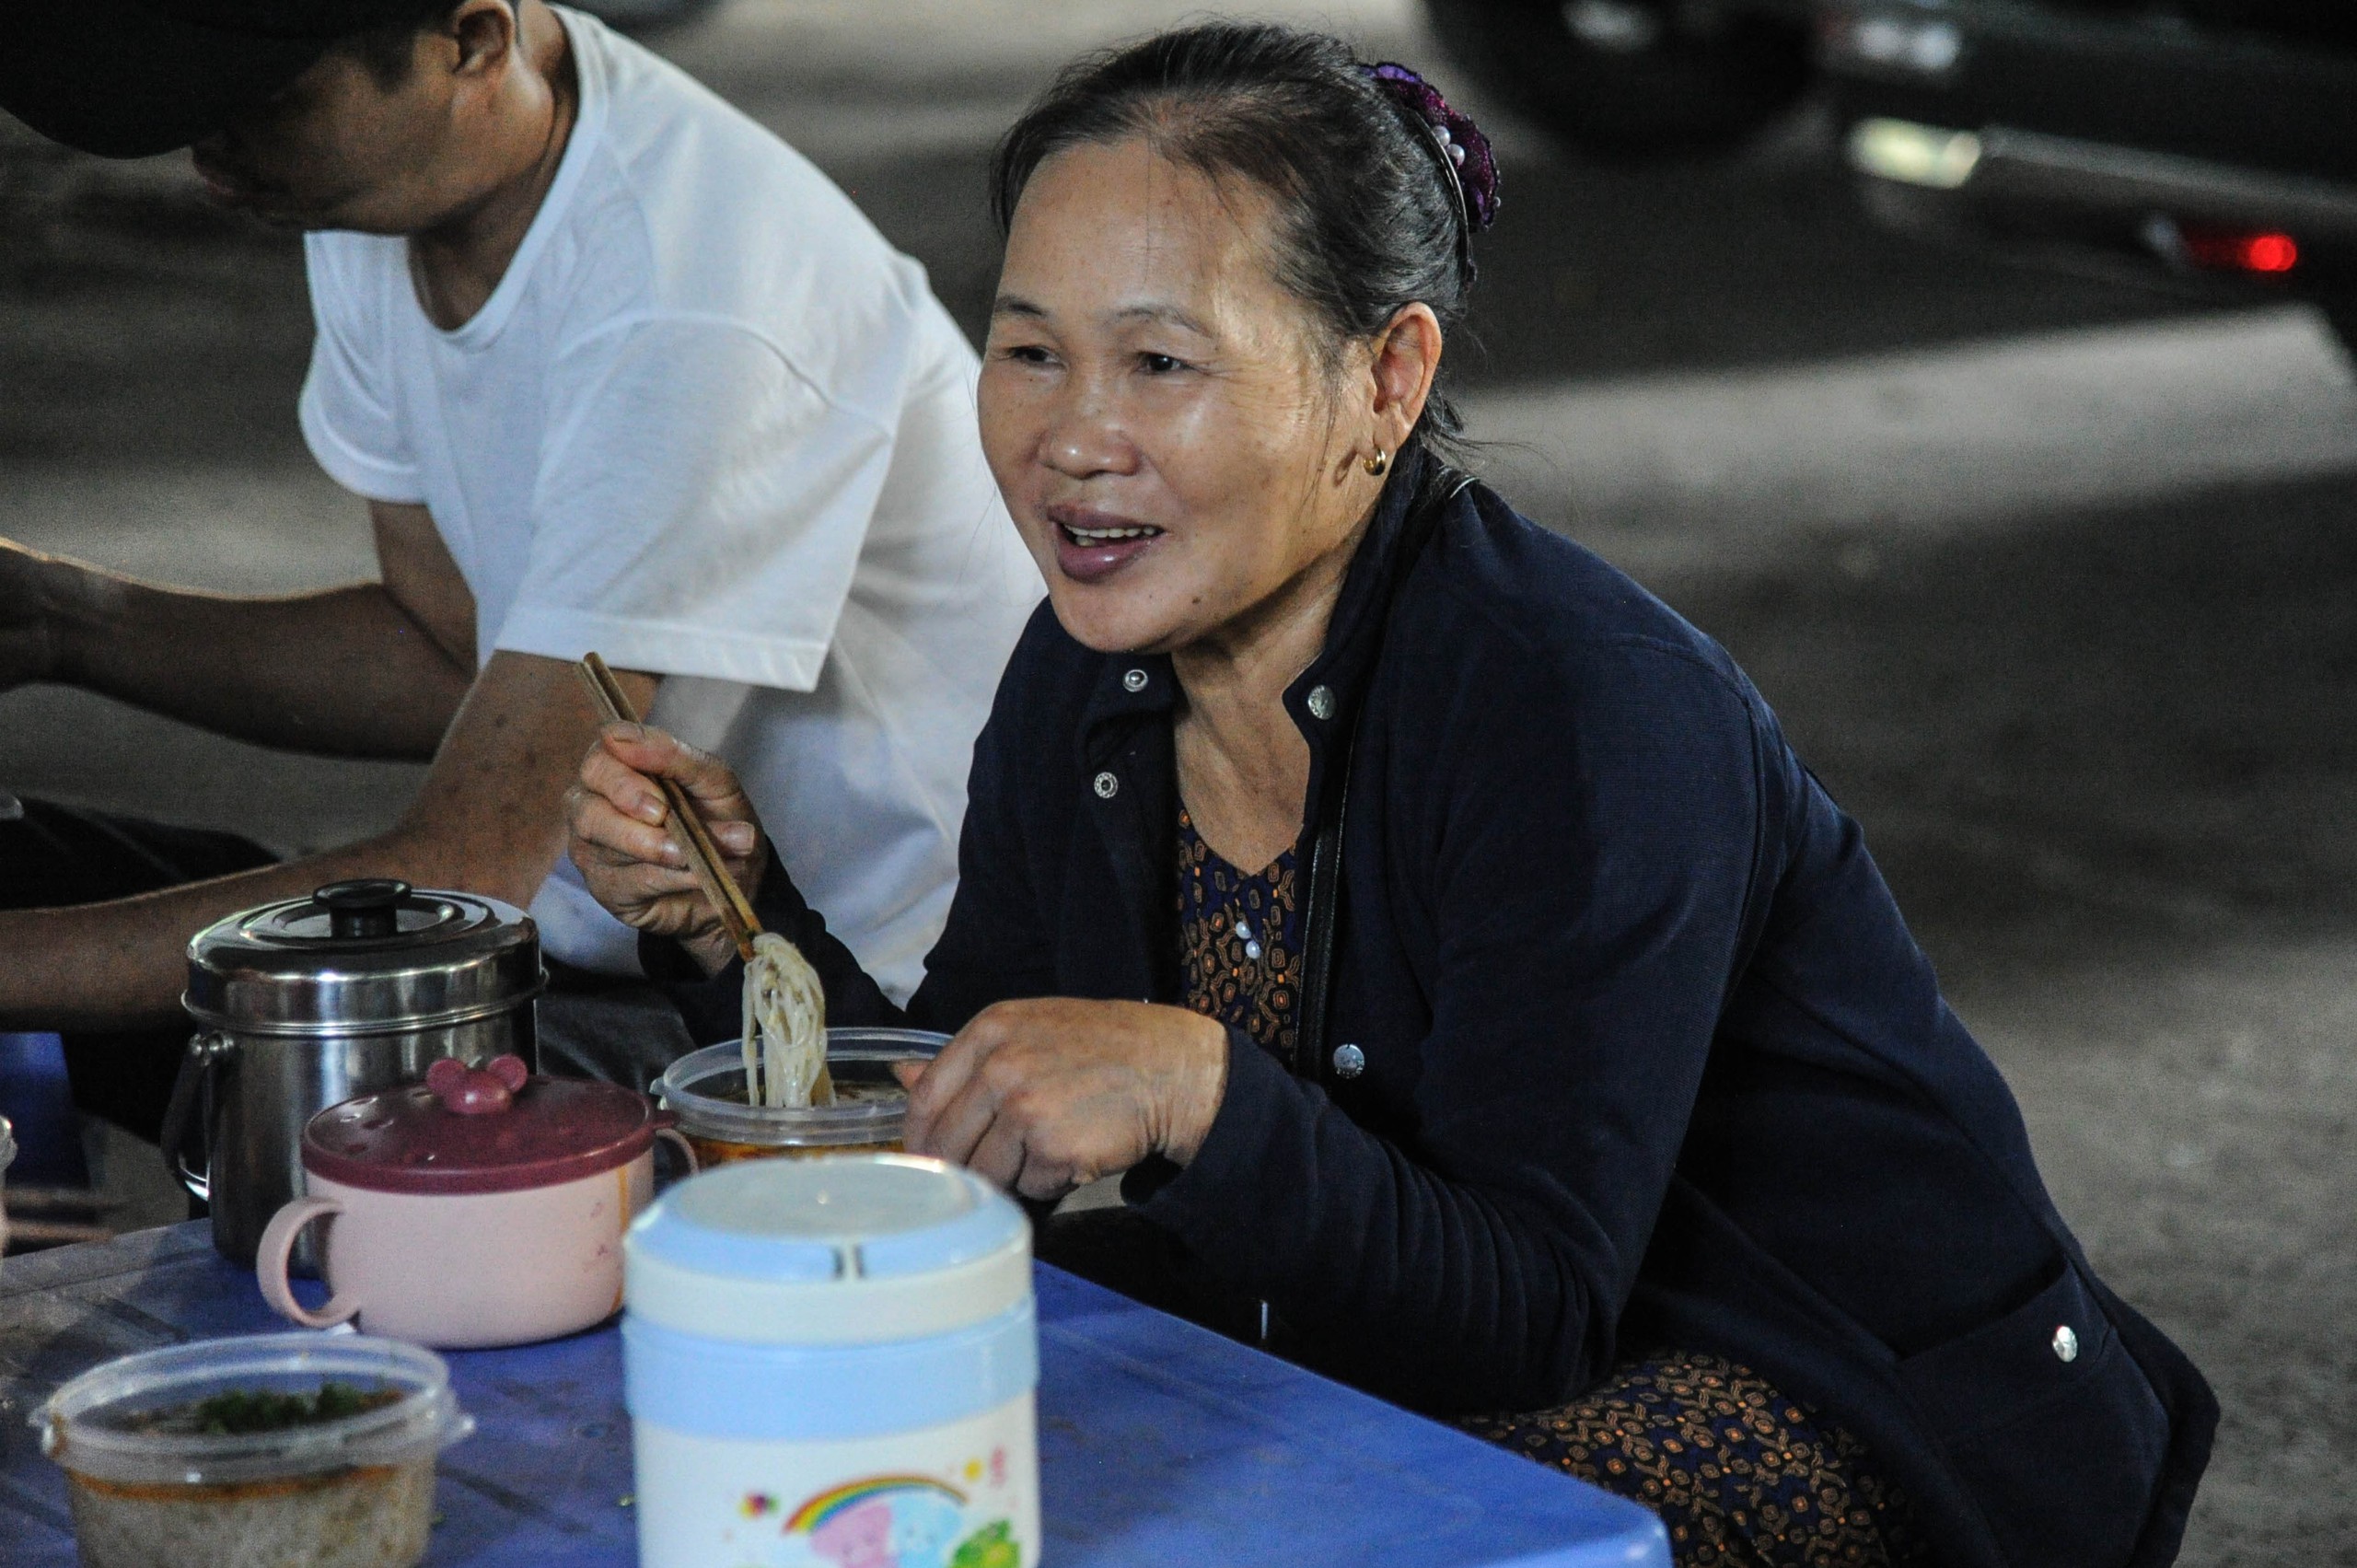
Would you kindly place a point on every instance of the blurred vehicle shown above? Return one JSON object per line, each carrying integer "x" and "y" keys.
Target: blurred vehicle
{"x": 1634, "y": 78}
{"x": 2213, "y": 136}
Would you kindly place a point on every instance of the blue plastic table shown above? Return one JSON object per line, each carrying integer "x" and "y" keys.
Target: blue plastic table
{"x": 1160, "y": 1444}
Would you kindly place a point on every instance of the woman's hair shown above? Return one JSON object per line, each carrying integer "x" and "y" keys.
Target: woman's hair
{"x": 1371, "y": 214}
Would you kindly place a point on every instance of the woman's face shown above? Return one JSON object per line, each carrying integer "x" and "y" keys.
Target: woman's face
{"x": 1156, "y": 407}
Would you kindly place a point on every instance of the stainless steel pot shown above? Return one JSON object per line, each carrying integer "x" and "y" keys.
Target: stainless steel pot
{"x": 306, "y": 1002}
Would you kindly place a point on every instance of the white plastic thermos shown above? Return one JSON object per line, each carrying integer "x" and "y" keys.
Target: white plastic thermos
{"x": 833, "y": 1362}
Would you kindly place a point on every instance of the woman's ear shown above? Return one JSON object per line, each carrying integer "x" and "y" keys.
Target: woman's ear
{"x": 1406, "y": 359}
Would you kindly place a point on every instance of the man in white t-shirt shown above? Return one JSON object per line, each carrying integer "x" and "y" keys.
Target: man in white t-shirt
{"x": 614, "y": 369}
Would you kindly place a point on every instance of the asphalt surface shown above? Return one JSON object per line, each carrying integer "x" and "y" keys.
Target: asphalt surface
{"x": 2049, "y": 574}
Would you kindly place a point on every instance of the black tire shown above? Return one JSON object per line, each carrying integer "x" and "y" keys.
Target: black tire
{"x": 1677, "y": 77}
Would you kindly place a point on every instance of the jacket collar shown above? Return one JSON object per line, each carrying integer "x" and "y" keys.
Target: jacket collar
{"x": 1324, "y": 699}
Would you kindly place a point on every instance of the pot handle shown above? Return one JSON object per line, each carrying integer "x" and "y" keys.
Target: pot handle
{"x": 678, "y": 1141}
{"x": 270, "y": 1264}
{"x": 185, "y": 1130}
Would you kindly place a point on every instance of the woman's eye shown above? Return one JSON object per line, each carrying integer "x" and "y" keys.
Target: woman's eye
{"x": 1025, "y": 353}
{"x": 1159, "y": 363}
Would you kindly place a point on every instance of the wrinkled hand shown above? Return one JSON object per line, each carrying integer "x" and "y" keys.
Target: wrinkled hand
{"x": 1046, "y": 1094}
{"x": 629, "y": 852}
{"x": 28, "y": 640}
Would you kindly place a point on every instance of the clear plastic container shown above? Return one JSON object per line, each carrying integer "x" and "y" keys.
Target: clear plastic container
{"x": 705, "y": 1089}
{"x": 353, "y": 1492}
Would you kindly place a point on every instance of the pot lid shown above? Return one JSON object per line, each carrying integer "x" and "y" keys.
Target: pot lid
{"x": 365, "y": 956}
{"x": 491, "y": 1128}
{"x": 832, "y": 1249}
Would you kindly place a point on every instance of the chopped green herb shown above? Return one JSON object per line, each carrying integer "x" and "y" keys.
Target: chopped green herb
{"x": 241, "y": 1411}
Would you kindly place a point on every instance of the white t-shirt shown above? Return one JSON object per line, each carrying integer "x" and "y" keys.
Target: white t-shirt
{"x": 712, "y": 426}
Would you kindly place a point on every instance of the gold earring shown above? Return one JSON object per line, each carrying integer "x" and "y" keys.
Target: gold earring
{"x": 1378, "y": 465}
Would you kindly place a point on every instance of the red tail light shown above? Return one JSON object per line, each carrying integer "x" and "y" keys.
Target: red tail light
{"x": 2235, "y": 250}
{"x": 2270, "y": 253}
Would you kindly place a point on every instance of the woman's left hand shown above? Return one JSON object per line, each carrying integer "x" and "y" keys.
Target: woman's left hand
{"x": 1045, "y": 1095}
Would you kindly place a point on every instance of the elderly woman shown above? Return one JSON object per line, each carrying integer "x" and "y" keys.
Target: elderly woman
{"x": 1485, "y": 1005}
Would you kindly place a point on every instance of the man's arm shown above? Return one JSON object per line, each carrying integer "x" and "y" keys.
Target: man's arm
{"x": 368, "y": 670}
{"x": 490, "y": 819}
{"x": 381, "y": 668}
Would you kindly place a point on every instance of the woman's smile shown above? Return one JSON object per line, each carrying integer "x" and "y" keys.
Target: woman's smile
{"x": 1093, "y": 545}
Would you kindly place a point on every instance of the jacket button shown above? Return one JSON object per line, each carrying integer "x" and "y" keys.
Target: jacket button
{"x": 2066, "y": 1345}
{"x": 1321, "y": 701}
{"x": 1349, "y": 1061}
{"x": 1107, "y": 787}
{"x": 1133, "y": 681}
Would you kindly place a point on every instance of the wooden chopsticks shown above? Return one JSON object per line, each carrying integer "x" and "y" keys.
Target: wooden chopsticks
{"x": 703, "y": 855}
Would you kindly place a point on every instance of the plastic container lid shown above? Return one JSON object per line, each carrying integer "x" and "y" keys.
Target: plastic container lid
{"x": 707, "y": 1089}
{"x": 362, "y": 957}
{"x": 485, "y": 1130}
{"x": 89, "y": 1426}
{"x": 843, "y": 1250}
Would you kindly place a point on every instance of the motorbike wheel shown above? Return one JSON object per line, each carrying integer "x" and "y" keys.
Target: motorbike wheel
{"x": 1631, "y": 78}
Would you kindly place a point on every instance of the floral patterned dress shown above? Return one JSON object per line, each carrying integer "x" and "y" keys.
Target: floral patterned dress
{"x": 1741, "y": 1476}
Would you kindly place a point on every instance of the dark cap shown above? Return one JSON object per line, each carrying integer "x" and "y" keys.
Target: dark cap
{"x": 130, "y": 79}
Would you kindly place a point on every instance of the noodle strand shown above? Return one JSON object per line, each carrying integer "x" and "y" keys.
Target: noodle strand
{"x": 784, "y": 1025}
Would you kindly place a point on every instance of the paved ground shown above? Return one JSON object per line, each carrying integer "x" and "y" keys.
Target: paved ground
{"x": 2051, "y": 578}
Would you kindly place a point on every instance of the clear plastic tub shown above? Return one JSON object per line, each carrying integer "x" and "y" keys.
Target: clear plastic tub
{"x": 352, "y": 1491}
{"x": 705, "y": 1089}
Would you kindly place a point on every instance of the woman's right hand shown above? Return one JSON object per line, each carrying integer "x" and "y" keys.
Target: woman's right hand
{"x": 629, "y": 852}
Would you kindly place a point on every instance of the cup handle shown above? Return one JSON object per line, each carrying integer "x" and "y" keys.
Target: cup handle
{"x": 278, "y": 1246}
{"x": 678, "y": 1140}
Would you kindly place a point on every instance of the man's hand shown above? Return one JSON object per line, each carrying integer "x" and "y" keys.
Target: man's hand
{"x": 28, "y": 645}
{"x": 1046, "y": 1094}
{"x": 628, "y": 850}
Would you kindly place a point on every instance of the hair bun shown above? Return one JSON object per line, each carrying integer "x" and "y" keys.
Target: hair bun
{"x": 1465, "y": 152}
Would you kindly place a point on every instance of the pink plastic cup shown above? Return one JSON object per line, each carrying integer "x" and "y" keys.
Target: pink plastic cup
{"x": 482, "y": 1208}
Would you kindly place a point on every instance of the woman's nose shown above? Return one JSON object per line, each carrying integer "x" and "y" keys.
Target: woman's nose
{"x": 1085, "y": 435}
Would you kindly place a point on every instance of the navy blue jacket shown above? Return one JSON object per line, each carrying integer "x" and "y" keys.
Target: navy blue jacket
{"x": 1650, "y": 1057}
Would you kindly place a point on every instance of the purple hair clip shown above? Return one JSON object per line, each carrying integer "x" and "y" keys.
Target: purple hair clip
{"x": 1472, "y": 167}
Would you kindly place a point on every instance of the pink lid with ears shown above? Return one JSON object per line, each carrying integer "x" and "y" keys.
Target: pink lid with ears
{"x": 490, "y": 1129}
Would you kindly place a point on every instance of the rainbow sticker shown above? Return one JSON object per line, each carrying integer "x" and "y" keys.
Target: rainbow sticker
{"x": 814, "y": 1514}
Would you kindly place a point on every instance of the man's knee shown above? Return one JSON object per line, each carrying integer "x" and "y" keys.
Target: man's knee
{"x": 52, "y": 855}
